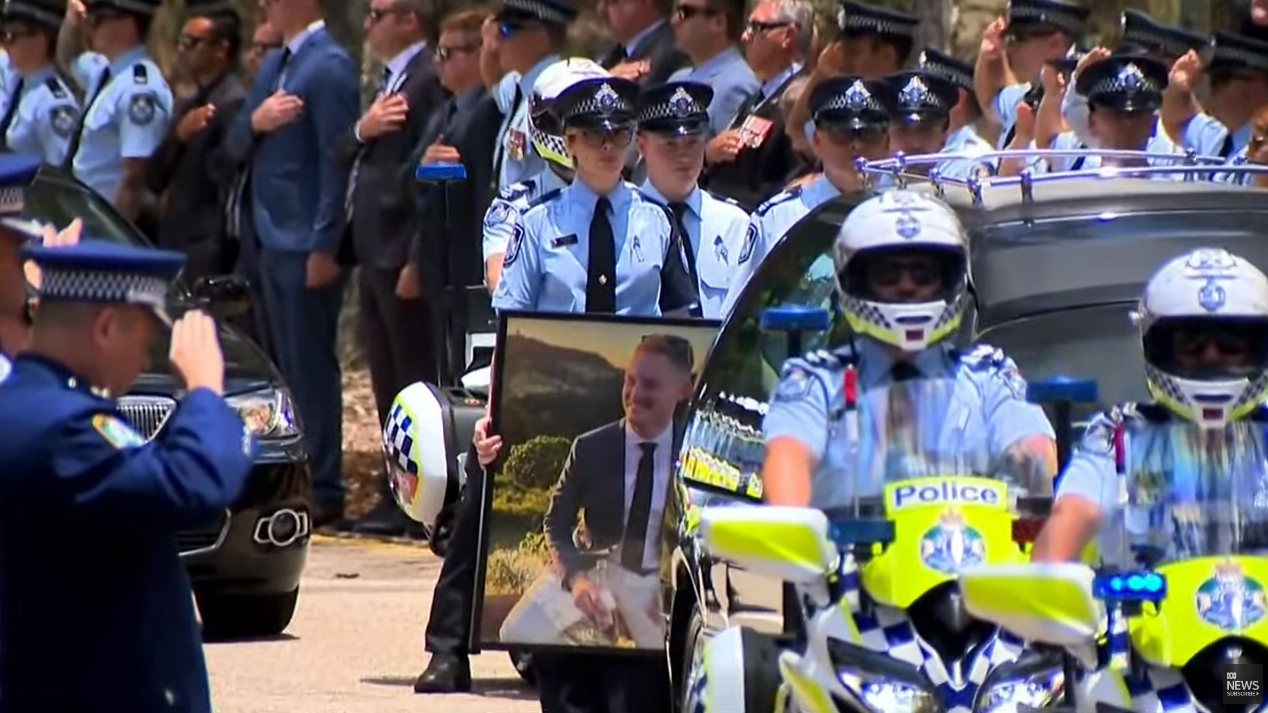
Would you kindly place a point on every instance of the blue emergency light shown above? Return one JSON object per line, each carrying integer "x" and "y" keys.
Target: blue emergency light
{"x": 441, "y": 173}
{"x": 1063, "y": 388}
{"x": 796, "y": 318}
{"x": 1130, "y": 587}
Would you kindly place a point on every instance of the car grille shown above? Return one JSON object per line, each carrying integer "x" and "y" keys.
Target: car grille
{"x": 147, "y": 414}
{"x": 203, "y": 536}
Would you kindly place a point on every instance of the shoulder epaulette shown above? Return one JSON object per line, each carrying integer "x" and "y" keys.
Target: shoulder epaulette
{"x": 55, "y": 87}
{"x": 983, "y": 356}
{"x": 782, "y": 197}
{"x": 726, "y": 199}
{"x": 545, "y": 197}
{"x": 516, "y": 190}
{"x": 140, "y": 74}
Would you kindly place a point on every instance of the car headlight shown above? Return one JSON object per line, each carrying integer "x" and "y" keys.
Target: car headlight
{"x": 267, "y": 414}
{"x": 1007, "y": 696}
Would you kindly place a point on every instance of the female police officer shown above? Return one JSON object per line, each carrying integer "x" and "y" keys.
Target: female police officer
{"x": 596, "y": 246}
{"x": 902, "y": 272}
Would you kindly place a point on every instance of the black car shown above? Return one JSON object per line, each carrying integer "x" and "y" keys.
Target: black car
{"x": 1058, "y": 266}
{"x": 245, "y": 563}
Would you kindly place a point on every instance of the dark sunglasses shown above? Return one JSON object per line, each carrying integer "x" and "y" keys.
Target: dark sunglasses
{"x": 188, "y": 42}
{"x": 888, "y": 273}
{"x": 755, "y": 27}
{"x": 1196, "y": 343}
{"x": 444, "y": 53}
{"x": 686, "y": 12}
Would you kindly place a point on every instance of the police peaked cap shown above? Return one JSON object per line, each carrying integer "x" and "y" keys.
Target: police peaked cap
{"x": 547, "y": 12}
{"x": 598, "y": 103}
{"x": 48, "y": 13}
{"x": 1141, "y": 30}
{"x": 919, "y": 95}
{"x": 1029, "y": 14}
{"x": 139, "y": 7}
{"x": 675, "y": 107}
{"x": 1237, "y": 53}
{"x": 856, "y": 19}
{"x": 851, "y": 102}
{"x": 17, "y": 170}
{"x": 952, "y": 69}
{"x": 1124, "y": 82}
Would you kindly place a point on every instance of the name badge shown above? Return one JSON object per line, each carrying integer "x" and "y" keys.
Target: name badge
{"x": 754, "y": 130}
{"x": 563, "y": 242}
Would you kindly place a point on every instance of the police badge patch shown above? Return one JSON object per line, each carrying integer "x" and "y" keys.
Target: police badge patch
{"x": 116, "y": 432}
{"x": 499, "y": 213}
{"x": 63, "y": 118}
{"x": 513, "y": 248}
{"x": 750, "y": 241}
{"x": 142, "y": 108}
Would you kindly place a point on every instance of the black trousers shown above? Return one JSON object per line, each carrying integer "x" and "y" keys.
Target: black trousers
{"x": 398, "y": 337}
{"x": 449, "y": 624}
{"x": 594, "y": 683}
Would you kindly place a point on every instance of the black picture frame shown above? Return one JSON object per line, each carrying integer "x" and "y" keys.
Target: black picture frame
{"x": 702, "y": 334}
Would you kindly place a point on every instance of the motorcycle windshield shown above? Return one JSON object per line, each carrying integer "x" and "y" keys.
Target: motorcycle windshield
{"x": 1195, "y": 509}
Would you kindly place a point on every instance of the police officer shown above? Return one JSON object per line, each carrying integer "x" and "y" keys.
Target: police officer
{"x": 851, "y": 117}
{"x": 673, "y": 125}
{"x": 921, "y": 118}
{"x": 597, "y": 245}
{"x": 1238, "y": 71}
{"x": 547, "y": 137}
{"x": 961, "y": 136}
{"x": 107, "y": 502}
{"x": 902, "y": 270}
{"x": 128, "y": 103}
{"x": 45, "y": 113}
{"x": 16, "y": 171}
{"x": 1203, "y": 322}
{"x": 1124, "y": 92}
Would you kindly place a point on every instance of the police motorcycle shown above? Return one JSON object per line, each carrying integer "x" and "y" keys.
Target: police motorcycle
{"x": 883, "y": 626}
{"x": 1178, "y": 600}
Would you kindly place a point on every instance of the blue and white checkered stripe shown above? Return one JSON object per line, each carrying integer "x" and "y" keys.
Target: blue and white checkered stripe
{"x": 102, "y": 286}
{"x": 398, "y": 441}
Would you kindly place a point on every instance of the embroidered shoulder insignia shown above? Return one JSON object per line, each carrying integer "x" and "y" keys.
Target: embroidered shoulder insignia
{"x": 116, "y": 432}
{"x": 140, "y": 75}
{"x": 778, "y": 198}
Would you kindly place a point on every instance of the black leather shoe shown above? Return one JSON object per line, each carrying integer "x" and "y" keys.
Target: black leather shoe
{"x": 385, "y": 520}
{"x": 445, "y": 673}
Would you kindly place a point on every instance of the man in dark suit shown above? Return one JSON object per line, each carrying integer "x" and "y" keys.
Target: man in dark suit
{"x": 398, "y": 336}
{"x": 622, "y": 523}
{"x": 193, "y": 218}
{"x": 303, "y": 101}
{"x": 751, "y": 161}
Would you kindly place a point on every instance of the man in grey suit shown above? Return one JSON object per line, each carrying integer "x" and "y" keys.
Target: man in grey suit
{"x": 398, "y": 334}
{"x": 303, "y": 100}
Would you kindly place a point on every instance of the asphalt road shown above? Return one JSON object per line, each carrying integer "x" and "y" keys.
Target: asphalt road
{"x": 356, "y": 644}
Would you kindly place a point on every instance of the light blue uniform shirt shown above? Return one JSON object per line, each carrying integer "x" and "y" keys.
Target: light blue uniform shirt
{"x": 520, "y": 161}
{"x": 1209, "y": 137}
{"x": 963, "y": 140}
{"x": 546, "y": 264}
{"x": 6, "y": 366}
{"x": 1006, "y": 109}
{"x": 8, "y": 81}
{"x": 768, "y": 225}
{"x": 128, "y": 119}
{"x": 732, "y": 81}
{"x": 46, "y": 117}
{"x": 504, "y": 213}
{"x": 984, "y": 413}
{"x": 715, "y": 230}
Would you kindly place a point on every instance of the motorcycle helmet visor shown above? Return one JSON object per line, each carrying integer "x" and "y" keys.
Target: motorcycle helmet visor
{"x": 905, "y": 273}
{"x": 1208, "y": 349}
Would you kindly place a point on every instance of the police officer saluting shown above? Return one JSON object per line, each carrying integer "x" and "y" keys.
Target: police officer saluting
{"x": 106, "y": 502}
{"x": 961, "y": 137}
{"x": 921, "y": 115}
{"x": 673, "y": 126}
{"x": 43, "y": 112}
{"x": 851, "y": 120}
{"x": 1123, "y": 93}
{"x": 597, "y": 245}
{"x": 127, "y": 101}
{"x": 901, "y": 261}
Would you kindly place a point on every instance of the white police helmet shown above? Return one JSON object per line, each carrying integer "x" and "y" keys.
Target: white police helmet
{"x": 902, "y": 222}
{"x": 543, "y": 127}
{"x": 416, "y": 452}
{"x": 1208, "y": 298}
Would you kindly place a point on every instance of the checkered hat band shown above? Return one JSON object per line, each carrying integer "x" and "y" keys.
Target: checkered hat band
{"x": 668, "y": 111}
{"x": 865, "y": 23}
{"x": 1241, "y": 55}
{"x": 11, "y": 202}
{"x": 398, "y": 444}
{"x": 546, "y": 12}
{"x": 951, "y": 74}
{"x": 1046, "y": 16}
{"x": 592, "y": 105}
{"x": 842, "y": 102}
{"x": 1149, "y": 38}
{"x": 95, "y": 286}
{"x": 1112, "y": 85}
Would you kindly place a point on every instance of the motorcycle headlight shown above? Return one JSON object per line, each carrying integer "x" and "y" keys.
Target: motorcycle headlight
{"x": 267, "y": 414}
{"x": 1007, "y": 696}
{"x": 895, "y": 697}
{"x": 881, "y": 683}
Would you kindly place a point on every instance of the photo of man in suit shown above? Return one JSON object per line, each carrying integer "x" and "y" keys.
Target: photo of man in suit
{"x": 604, "y": 529}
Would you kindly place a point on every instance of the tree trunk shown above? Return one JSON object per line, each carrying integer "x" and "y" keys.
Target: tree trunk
{"x": 935, "y": 24}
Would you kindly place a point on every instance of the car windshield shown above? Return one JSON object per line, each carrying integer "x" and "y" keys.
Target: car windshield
{"x": 59, "y": 201}
{"x": 1193, "y": 493}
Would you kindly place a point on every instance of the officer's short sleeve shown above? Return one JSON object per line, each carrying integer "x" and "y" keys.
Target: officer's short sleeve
{"x": 143, "y": 115}
{"x": 86, "y": 68}
{"x": 752, "y": 250}
{"x": 1006, "y": 104}
{"x": 1075, "y": 110}
{"x": 799, "y": 408}
{"x": 504, "y": 92}
{"x": 1204, "y": 134}
{"x": 1009, "y": 417}
{"x": 520, "y": 283}
{"x": 199, "y": 463}
{"x": 1091, "y": 475}
{"x": 500, "y": 222}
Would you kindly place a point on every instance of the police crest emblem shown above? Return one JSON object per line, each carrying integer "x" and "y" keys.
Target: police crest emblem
{"x": 62, "y": 119}
{"x": 514, "y": 246}
{"x": 682, "y": 104}
{"x": 952, "y": 544}
{"x": 116, "y": 432}
{"x": 142, "y": 109}
{"x": 1230, "y": 600}
{"x": 750, "y": 240}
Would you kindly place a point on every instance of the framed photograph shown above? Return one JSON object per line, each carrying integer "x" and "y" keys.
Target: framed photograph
{"x": 591, "y": 411}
